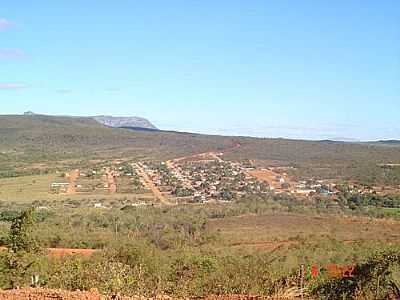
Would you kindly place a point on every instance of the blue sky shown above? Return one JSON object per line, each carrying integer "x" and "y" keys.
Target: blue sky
{"x": 299, "y": 69}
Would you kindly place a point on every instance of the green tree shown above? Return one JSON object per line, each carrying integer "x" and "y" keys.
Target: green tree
{"x": 20, "y": 237}
{"x": 23, "y": 250}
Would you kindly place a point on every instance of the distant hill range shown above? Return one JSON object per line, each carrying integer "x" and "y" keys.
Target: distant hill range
{"x": 132, "y": 123}
{"x": 346, "y": 141}
{"x": 389, "y": 142}
{"x": 125, "y": 122}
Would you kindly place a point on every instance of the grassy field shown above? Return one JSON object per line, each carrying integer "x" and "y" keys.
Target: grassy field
{"x": 390, "y": 211}
{"x": 28, "y": 189}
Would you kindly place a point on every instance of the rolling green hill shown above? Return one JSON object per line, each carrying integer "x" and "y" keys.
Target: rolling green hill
{"x": 39, "y": 137}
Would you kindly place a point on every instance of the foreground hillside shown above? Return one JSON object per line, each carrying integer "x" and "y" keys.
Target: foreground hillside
{"x": 33, "y": 139}
{"x": 247, "y": 247}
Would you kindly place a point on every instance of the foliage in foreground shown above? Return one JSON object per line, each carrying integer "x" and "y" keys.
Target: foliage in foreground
{"x": 377, "y": 278}
{"x": 22, "y": 252}
{"x": 181, "y": 260}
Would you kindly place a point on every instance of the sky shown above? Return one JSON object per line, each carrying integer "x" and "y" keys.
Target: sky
{"x": 295, "y": 69}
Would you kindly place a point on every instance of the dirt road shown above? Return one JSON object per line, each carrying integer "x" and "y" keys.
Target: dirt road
{"x": 210, "y": 155}
{"x": 206, "y": 156}
{"x": 110, "y": 181}
{"x": 186, "y": 182}
{"x": 150, "y": 185}
{"x": 215, "y": 156}
{"x": 72, "y": 177}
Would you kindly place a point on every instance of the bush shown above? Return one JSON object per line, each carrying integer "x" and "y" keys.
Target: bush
{"x": 377, "y": 278}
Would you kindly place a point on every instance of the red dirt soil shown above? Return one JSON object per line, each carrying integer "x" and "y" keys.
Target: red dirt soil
{"x": 150, "y": 185}
{"x": 73, "y": 176}
{"x": 47, "y": 294}
{"x": 58, "y": 252}
{"x": 269, "y": 177}
{"x": 93, "y": 294}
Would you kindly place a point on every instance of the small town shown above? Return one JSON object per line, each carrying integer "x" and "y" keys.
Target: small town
{"x": 201, "y": 179}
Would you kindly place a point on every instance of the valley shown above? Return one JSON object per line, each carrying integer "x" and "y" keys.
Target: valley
{"x": 180, "y": 213}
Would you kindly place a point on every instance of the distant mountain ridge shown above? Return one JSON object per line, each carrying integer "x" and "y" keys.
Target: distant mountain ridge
{"x": 125, "y": 122}
{"x": 389, "y": 142}
{"x": 134, "y": 123}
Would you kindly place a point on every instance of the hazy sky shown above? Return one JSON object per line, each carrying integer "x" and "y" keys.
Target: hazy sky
{"x": 301, "y": 69}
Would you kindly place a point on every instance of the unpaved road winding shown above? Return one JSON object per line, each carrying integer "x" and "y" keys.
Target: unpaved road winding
{"x": 150, "y": 185}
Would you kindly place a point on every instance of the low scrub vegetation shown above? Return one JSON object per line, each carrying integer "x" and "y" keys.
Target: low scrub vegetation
{"x": 177, "y": 251}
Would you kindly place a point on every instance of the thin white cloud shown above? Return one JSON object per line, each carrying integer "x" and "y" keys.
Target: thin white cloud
{"x": 12, "y": 86}
{"x": 64, "y": 91}
{"x": 4, "y": 24}
{"x": 113, "y": 90}
{"x": 6, "y": 54}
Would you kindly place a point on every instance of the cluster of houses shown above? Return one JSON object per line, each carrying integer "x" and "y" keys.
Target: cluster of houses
{"x": 312, "y": 187}
{"x": 329, "y": 188}
{"x": 202, "y": 181}
{"x": 160, "y": 174}
{"x": 198, "y": 181}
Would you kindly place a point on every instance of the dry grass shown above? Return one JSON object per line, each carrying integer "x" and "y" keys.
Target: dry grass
{"x": 26, "y": 188}
{"x": 268, "y": 232}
